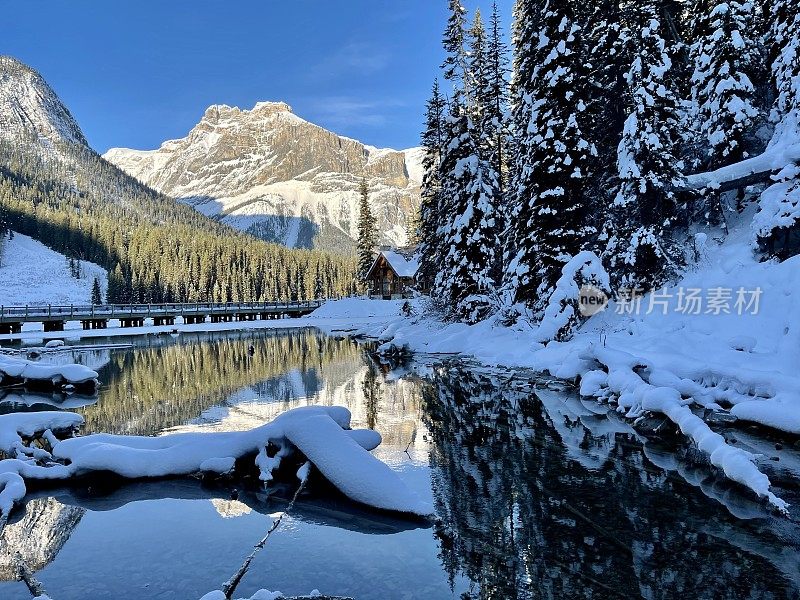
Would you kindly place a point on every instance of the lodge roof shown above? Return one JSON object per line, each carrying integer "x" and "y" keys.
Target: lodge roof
{"x": 402, "y": 264}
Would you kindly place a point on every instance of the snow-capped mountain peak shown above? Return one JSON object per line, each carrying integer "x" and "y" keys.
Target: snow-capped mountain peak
{"x": 269, "y": 172}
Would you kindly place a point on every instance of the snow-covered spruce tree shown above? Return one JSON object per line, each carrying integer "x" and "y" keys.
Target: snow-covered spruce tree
{"x": 726, "y": 60}
{"x": 485, "y": 111}
{"x": 522, "y": 172}
{"x": 431, "y": 213}
{"x": 496, "y": 97}
{"x": 467, "y": 238}
{"x": 454, "y": 67}
{"x": 641, "y": 250}
{"x": 469, "y": 242}
{"x": 785, "y": 54}
{"x": 779, "y": 205}
{"x": 555, "y": 208}
{"x": 607, "y": 45}
{"x": 477, "y": 74}
{"x": 367, "y": 231}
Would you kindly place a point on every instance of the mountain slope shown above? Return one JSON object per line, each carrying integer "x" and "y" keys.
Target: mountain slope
{"x": 57, "y": 190}
{"x": 31, "y": 273}
{"x": 270, "y": 173}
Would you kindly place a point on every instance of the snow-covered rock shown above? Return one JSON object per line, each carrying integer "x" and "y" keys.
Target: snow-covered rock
{"x": 26, "y": 370}
{"x": 281, "y": 178}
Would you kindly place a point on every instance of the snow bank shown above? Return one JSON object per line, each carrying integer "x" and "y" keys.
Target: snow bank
{"x": 26, "y": 370}
{"x": 319, "y": 432}
{"x": 32, "y": 273}
{"x": 655, "y": 360}
{"x": 264, "y": 595}
{"x": 358, "y": 308}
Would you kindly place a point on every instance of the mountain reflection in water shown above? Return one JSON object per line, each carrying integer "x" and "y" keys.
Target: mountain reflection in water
{"x": 540, "y": 495}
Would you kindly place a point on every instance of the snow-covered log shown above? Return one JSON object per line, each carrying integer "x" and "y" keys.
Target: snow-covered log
{"x": 322, "y": 434}
{"x": 637, "y": 394}
{"x": 758, "y": 169}
{"x": 267, "y": 595}
{"x": 14, "y": 370}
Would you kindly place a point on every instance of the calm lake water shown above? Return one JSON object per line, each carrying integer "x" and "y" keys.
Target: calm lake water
{"x": 540, "y": 495}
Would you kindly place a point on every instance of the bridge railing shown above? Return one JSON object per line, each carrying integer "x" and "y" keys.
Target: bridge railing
{"x": 113, "y": 311}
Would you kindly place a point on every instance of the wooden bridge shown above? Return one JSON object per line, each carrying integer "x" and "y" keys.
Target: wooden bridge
{"x": 97, "y": 316}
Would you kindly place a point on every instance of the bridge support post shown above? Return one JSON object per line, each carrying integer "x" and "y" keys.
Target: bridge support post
{"x": 53, "y": 325}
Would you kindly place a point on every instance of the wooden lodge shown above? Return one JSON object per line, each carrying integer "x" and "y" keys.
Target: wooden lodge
{"x": 392, "y": 275}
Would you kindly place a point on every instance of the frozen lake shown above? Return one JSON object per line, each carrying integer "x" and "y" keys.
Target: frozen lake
{"x": 539, "y": 493}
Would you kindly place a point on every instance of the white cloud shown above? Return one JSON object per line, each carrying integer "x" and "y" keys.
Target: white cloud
{"x": 354, "y": 57}
{"x": 342, "y": 111}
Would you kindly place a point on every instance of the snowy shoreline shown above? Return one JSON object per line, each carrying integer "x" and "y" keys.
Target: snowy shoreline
{"x": 637, "y": 365}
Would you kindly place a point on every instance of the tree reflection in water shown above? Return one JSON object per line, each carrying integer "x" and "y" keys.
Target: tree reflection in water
{"x": 167, "y": 381}
{"x": 534, "y": 504}
{"x": 540, "y": 495}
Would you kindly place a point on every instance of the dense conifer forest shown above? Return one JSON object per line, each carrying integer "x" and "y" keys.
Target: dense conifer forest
{"x": 155, "y": 249}
{"x": 584, "y": 137}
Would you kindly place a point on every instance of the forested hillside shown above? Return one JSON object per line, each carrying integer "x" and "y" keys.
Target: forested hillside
{"x": 62, "y": 193}
{"x": 630, "y": 131}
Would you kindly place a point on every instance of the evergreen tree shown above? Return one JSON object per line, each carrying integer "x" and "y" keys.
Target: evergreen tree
{"x": 431, "y": 213}
{"x": 115, "y": 293}
{"x": 496, "y": 124}
{"x": 785, "y": 56}
{"x": 641, "y": 249}
{"x": 478, "y": 103}
{"x": 470, "y": 239}
{"x": 527, "y": 20}
{"x": 608, "y": 55}
{"x": 779, "y": 205}
{"x": 555, "y": 205}
{"x": 454, "y": 66}
{"x": 97, "y": 295}
{"x": 487, "y": 115}
{"x": 726, "y": 60}
{"x": 367, "y": 231}
{"x": 319, "y": 285}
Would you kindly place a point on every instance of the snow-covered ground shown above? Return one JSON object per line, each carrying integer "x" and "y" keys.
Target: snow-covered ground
{"x": 32, "y": 273}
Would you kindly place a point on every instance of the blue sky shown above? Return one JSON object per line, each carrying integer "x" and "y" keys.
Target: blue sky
{"x": 135, "y": 73}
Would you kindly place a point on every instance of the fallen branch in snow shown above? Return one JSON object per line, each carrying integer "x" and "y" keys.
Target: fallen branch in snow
{"x": 26, "y": 575}
{"x": 636, "y": 394}
{"x": 233, "y": 582}
{"x": 757, "y": 169}
{"x": 321, "y": 434}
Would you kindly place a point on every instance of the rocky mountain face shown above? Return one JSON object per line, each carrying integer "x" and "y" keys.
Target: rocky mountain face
{"x": 38, "y": 536}
{"x": 270, "y": 173}
{"x": 30, "y": 109}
